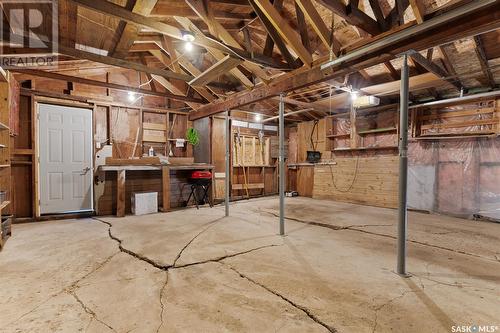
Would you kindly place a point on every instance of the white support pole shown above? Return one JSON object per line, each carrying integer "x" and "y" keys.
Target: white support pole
{"x": 228, "y": 156}
{"x": 282, "y": 163}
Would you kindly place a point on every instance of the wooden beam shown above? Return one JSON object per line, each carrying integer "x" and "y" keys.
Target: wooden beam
{"x": 483, "y": 61}
{"x": 275, "y": 37}
{"x": 319, "y": 26}
{"x": 269, "y": 45}
{"x": 218, "y": 55}
{"x": 129, "y": 31}
{"x": 418, "y": 10}
{"x": 379, "y": 14}
{"x": 302, "y": 24}
{"x": 114, "y": 10}
{"x": 471, "y": 23}
{"x": 219, "y": 68}
{"x": 353, "y": 16}
{"x": 448, "y": 65}
{"x": 80, "y": 80}
{"x": 205, "y": 12}
{"x": 285, "y": 31}
{"x": 121, "y": 63}
{"x": 433, "y": 68}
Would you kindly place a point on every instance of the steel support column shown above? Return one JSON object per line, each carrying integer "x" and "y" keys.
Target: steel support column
{"x": 228, "y": 156}
{"x": 282, "y": 163}
{"x": 403, "y": 167}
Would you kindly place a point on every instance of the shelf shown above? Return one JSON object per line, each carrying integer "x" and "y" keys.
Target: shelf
{"x": 4, "y": 166}
{"x": 3, "y": 127}
{"x": 2, "y": 146}
{"x": 339, "y": 135}
{"x": 364, "y": 148}
{"x": 4, "y": 204}
{"x": 378, "y": 130}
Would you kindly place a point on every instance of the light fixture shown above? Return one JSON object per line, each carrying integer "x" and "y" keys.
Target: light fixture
{"x": 258, "y": 117}
{"x": 188, "y": 37}
{"x": 131, "y": 96}
{"x": 354, "y": 95}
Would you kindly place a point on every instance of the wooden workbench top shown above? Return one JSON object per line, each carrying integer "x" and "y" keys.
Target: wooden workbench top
{"x": 194, "y": 166}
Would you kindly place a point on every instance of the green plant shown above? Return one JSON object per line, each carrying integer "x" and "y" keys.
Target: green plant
{"x": 192, "y": 136}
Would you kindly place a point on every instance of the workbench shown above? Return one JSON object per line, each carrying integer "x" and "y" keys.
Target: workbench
{"x": 165, "y": 169}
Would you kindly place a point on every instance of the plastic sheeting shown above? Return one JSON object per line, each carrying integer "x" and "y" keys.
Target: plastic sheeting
{"x": 458, "y": 177}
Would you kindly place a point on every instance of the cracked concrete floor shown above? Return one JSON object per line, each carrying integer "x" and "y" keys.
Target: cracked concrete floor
{"x": 195, "y": 271}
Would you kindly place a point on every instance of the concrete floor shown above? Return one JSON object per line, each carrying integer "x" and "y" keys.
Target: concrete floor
{"x": 194, "y": 271}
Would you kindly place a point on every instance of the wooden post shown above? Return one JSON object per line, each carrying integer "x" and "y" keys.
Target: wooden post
{"x": 165, "y": 170}
{"x": 120, "y": 193}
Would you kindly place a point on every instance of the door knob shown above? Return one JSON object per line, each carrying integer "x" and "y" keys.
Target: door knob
{"x": 85, "y": 170}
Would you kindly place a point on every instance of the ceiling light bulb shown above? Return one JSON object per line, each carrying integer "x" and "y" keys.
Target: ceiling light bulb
{"x": 131, "y": 96}
{"x": 188, "y": 46}
{"x": 258, "y": 117}
{"x": 187, "y": 36}
{"x": 354, "y": 95}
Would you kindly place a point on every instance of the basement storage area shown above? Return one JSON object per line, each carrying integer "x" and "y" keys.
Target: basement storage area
{"x": 250, "y": 166}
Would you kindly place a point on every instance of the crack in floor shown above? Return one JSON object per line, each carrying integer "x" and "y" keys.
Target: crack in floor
{"x": 354, "y": 228}
{"x": 162, "y": 305}
{"x": 88, "y": 310}
{"x": 380, "y": 307}
{"x": 292, "y": 303}
{"x": 166, "y": 268}
{"x": 70, "y": 287}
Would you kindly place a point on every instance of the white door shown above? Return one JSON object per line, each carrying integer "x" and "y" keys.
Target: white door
{"x": 65, "y": 152}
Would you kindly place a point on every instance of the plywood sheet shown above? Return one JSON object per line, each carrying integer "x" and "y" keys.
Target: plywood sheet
{"x": 364, "y": 180}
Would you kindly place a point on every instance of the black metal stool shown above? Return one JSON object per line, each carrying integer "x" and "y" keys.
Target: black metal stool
{"x": 200, "y": 182}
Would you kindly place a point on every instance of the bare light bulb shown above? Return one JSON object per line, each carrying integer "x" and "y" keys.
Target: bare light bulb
{"x": 188, "y": 46}
{"x": 131, "y": 96}
{"x": 258, "y": 117}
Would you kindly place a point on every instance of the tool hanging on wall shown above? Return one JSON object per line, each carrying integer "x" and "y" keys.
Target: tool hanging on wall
{"x": 261, "y": 143}
{"x": 239, "y": 146}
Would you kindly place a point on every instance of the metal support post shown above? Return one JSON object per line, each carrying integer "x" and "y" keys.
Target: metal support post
{"x": 282, "y": 163}
{"x": 228, "y": 156}
{"x": 403, "y": 167}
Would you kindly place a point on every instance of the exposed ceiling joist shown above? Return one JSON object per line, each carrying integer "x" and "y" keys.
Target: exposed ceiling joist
{"x": 284, "y": 29}
{"x": 353, "y": 15}
{"x": 74, "y": 79}
{"x": 112, "y": 9}
{"x": 465, "y": 21}
{"x": 221, "y": 67}
{"x": 483, "y": 61}
{"x": 418, "y": 10}
{"x": 433, "y": 68}
{"x": 204, "y": 11}
{"x": 274, "y": 37}
{"x": 130, "y": 31}
{"x": 319, "y": 26}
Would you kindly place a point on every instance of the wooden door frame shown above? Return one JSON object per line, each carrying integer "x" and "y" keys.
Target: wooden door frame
{"x": 35, "y": 101}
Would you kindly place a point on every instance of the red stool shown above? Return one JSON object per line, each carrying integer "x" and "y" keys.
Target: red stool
{"x": 200, "y": 181}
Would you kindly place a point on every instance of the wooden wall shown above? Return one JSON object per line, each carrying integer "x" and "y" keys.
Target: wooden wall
{"x": 367, "y": 180}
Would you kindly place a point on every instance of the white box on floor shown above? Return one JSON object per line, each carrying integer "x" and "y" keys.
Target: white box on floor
{"x": 144, "y": 203}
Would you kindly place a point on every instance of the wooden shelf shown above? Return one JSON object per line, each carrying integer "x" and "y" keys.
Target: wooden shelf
{"x": 3, "y": 127}
{"x": 339, "y": 135}
{"x": 378, "y": 130}
{"x": 3, "y": 146}
{"x": 254, "y": 166}
{"x": 4, "y": 165}
{"x": 364, "y": 148}
{"x": 4, "y": 204}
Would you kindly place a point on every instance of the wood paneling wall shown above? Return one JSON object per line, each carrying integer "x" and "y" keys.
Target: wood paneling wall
{"x": 371, "y": 180}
